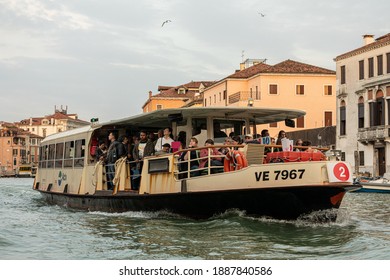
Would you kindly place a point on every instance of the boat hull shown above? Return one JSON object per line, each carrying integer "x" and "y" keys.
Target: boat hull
{"x": 281, "y": 203}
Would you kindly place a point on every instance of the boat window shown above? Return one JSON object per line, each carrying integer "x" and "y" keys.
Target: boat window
{"x": 224, "y": 128}
{"x": 43, "y": 156}
{"x": 199, "y": 129}
{"x": 69, "y": 154}
{"x": 50, "y": 162}
{"x": 79, "y": 153}
{"x": 59, "y": 155}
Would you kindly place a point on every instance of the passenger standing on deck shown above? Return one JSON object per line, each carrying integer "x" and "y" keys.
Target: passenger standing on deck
{"x": 115, "y": 151}
{"x": 101, "y": 151}
{"x": 192, "y": 157}
{"x": 163, "y": 140}
{"x": 125, "y": 142}
{"x": 143, "y": 148}
{"x": 210, "y": 152}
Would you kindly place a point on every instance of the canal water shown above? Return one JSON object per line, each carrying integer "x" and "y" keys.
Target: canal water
{"x": 33, "y": 230}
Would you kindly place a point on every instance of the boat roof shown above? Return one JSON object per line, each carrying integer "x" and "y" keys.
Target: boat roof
{"x": 70, "y": 132}
{"x": 159, "y": 118}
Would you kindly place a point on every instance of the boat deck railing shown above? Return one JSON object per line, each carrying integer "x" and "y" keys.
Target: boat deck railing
{"x": 190, "y": 167}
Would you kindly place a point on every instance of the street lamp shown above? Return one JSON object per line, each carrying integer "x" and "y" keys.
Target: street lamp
{"x": 250, "y": 102}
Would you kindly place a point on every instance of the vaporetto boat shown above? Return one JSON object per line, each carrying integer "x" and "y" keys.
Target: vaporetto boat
{"x": 68, "y": 174}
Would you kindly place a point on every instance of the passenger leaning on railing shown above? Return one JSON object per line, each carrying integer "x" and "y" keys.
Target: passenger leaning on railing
{"x": 192, "y": 156}
{"x": 215, "y": 161}
{"x": 143, "y": 148}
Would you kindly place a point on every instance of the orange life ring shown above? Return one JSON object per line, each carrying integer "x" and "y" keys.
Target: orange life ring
{"x": 228, "y": 163}
{"x": 241, "y": 161}
{"x": 235, "y": 160}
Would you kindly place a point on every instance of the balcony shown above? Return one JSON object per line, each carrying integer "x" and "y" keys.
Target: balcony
{"x": 244, "y": 96}
{"x": 374, "y": 133}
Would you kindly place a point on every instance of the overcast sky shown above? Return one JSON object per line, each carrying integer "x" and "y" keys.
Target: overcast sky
{"x": 102, "y": 57}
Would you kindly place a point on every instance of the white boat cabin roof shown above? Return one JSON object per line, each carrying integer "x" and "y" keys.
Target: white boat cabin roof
{"x": 259, "y": 115}
{"x": 162, "y": 118}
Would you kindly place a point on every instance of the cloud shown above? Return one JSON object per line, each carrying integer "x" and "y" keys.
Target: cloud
{"x": 102, "y": 57}
{"x": 58, "y": 14}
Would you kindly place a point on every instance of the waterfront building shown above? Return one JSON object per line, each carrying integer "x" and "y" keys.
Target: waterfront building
{"x": 363, "y": 105}
{"x": 50, "y": 124}
{"x": 17, "y": 147}
{"x": 187, "y": 95}
{"x": 288, "y": 84}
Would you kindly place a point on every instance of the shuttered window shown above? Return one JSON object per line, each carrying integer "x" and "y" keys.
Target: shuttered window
{"x": 380, "y": 64}
{"x": 361, "y": 115}
{"x": 361, "y": 70}
{"x": 342, "y": 120}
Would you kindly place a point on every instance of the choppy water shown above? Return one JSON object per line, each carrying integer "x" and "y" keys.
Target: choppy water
{"x": 30, "y": 229}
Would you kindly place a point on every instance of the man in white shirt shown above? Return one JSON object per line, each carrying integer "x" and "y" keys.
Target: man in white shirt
{"x": 166, "y": 139}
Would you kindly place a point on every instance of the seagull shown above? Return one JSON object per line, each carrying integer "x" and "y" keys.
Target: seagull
{"x": 263, "y": 15}
{"x": 168, "y": 20}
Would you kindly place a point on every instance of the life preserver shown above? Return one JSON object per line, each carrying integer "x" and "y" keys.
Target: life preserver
{"x": 228, "y": 163}
{"x": 234, "y": 160}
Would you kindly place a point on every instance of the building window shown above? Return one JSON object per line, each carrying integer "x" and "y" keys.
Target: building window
{"x": 44, "y": 132}
{"x": 220, "y": 97}
{"x": 159, "y": 106}
{"x": 379, "y": 59}
{"x": 301, "y": 122}
{"x": 342, "y": 118}
{"x": 388, "y": 63}
{"x": 371, "y": 67}
{"x": 224, "y": 94}
{"x": 388, "y": 113}
{"x": 342, "y": 74}
{"x": 377, "y": 110}
{"x": 251, "y": 93}
{"x": 328, "y": 119}
{"x": 361, "y": 70}
{"x": 361, "y": 158}
{"x": 328, "y": 90}
{"x": 205, "y": 102}
{"x": 361, "y": 113}
{"x": 14, "y": 152}
{"x": 215, "y": 98}
{"x": 300, "y": 89}
{"x": 257, "y": 93}
{"x": 210, "y": 100}
{"x": 182, "y": 91}
{"x": 273, "y": 89}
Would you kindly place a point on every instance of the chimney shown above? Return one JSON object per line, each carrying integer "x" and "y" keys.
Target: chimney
{"x": 150, "y": 94}
{"x": 368, "y": 39}
{"x": 242, "y": 66}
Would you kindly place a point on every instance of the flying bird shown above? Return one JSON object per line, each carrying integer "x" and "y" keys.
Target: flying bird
{"x": 167, "y": 21}
{"x": 263, "y": 15}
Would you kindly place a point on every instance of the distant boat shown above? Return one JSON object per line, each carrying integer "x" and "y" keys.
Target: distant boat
{"x": 373, "y": 184}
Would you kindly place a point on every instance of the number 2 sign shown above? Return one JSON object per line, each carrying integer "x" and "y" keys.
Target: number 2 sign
{"x": 339, "y": 172}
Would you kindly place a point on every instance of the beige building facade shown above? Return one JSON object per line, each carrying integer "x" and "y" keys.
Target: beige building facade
{"x": 189, "y": 94}
{"x": 363, "y": 106}
{"x": 289, "y": 84}
{"x": 50, "y": 124}
{"x": 17, "y": 148}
